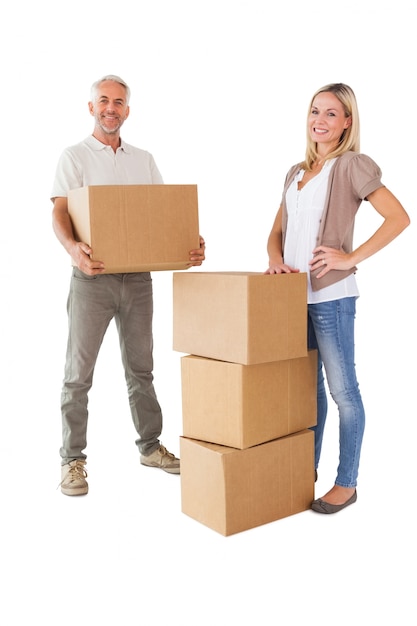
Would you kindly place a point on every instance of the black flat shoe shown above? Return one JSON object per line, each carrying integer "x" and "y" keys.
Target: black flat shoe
{"x": 320, "y": 506}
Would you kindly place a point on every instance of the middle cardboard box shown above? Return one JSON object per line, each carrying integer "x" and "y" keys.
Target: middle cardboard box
{"x": 241, "y": 406}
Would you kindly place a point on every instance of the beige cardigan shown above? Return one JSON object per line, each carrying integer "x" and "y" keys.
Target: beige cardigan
{"x": 352, "y": 178}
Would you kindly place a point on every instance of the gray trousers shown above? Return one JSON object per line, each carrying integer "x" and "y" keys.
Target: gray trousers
{"x": 93, "y": 302}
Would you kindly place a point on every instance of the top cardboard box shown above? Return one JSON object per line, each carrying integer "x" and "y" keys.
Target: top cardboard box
{"x": 240, "y": 317}
{"x": 137, "y": 228}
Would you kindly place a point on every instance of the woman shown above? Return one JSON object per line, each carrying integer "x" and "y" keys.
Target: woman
{"x": 313, "y": 233}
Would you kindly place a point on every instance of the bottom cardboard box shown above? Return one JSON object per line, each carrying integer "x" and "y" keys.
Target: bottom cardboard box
{"x": 231, "y": 490}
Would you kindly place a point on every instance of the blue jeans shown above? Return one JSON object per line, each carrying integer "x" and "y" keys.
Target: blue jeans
{"x": 331, "y": 331}
{"x": 92, "y": 303}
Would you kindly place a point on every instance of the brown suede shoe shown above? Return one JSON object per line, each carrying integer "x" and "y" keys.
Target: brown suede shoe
{"x": 320, "y": 506}
{"x": 73, "y": 478}
{"x": 163, "y": 459}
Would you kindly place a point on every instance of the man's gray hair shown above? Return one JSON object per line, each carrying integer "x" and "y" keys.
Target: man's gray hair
{"x": 114, "y": 78}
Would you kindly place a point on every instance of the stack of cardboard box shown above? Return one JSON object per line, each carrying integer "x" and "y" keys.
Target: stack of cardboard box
{"x": 248, "y": 395}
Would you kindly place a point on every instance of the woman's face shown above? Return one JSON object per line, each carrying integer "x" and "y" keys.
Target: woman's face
{"x": 327, "y": 121}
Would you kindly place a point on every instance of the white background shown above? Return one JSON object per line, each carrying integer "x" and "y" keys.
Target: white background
{"x": 220, "y": 91}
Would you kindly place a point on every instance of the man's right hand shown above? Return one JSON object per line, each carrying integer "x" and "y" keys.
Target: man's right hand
{"x": 79, "y": 252}
{"x": 81, "y": 255}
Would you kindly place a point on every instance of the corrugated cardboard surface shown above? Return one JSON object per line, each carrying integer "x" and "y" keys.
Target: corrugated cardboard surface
{"x": 137, "y": 228}
{"x": 232, "y": 490}
{"x": 245, "y": 405}
{"x": 241, "y": 317}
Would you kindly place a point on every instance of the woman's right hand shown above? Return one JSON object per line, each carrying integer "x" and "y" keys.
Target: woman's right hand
{"x": 280, "y": 268}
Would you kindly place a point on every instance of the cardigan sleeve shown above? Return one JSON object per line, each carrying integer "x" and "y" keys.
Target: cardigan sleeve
{"x": 364, "y": 174}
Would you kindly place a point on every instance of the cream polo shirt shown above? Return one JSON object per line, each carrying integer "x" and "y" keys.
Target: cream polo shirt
{"x": 91, "y": 162}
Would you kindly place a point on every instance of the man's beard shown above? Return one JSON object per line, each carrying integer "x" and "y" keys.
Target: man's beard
{"x": 109, "y": 131}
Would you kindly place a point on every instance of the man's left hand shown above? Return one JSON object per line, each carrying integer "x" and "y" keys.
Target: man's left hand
{"x": 197, "y": 256}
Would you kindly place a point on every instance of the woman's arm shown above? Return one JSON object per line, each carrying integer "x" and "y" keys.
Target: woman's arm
{"x": 395, "y": 221}
{"x": 274, "y": 248}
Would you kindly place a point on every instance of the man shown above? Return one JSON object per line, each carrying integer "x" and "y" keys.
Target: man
{"x": 95, "y": 298}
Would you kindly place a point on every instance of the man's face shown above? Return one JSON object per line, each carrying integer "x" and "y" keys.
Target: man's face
{"x": 110, "y": 108}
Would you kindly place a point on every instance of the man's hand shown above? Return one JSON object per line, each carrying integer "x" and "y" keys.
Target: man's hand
{"x": 197, "y": 256}
{"x": 81, "y": 255}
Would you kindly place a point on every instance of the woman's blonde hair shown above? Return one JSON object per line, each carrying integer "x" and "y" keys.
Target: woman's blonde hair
{"x": 350, "y": 139}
